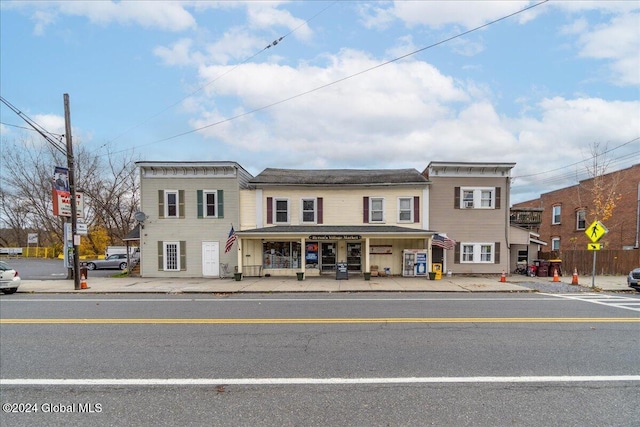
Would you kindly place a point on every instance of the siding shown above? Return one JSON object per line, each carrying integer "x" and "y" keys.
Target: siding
{"x": 340, "y": 206}
{"x": 191, "y": 229}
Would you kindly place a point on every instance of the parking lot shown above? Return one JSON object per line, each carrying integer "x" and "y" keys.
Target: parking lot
{"x": 47, "y": 269}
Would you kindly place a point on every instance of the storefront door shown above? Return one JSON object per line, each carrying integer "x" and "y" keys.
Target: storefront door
{"x": 328, "y": 259}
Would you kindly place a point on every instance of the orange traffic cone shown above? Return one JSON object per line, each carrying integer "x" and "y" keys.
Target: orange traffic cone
{"x": 503, "y": 278}
{"x": 574, "y": 280}
{"x": 83, "y": 282}
{"x": 555, "y": 275}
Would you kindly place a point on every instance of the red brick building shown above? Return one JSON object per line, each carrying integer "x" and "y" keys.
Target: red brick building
{"x": 566, "y": 213}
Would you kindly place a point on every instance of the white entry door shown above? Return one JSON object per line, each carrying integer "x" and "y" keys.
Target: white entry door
{"x": 211, "y": 259}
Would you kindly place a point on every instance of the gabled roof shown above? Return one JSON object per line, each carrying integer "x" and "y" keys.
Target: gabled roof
{"x": 334, "y": 177}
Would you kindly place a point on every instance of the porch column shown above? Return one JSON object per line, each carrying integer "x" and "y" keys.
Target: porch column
{"x": 367, "y": 261}
{"x": 239, "y": 254}
{"x": 302, "y": 255}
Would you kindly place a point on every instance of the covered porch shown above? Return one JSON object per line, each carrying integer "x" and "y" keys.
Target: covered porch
{"x": 318, "y": 250}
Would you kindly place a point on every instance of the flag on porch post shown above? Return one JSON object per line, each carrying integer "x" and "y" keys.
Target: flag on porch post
{"x": 232, "y": 238}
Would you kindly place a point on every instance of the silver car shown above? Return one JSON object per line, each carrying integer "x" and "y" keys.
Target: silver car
{"x": 9, "y": 279}
{"x": 633, "y": 279}
{"x": 112, "y": 261}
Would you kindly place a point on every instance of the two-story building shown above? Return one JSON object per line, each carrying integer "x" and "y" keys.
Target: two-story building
{"x": 567, "y": 212}
{"x": 188, "y": 211}
{"x": 290, "y": 221}
{"x": 313, "y": 220}
{"x": 470, "y": 203}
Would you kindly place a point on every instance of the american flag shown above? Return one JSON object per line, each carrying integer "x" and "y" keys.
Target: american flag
{"x": 443, "y": 242}
{"x": 232, "y": 238}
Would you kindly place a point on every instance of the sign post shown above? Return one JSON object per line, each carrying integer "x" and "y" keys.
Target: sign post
{"x": 595, "y": 232}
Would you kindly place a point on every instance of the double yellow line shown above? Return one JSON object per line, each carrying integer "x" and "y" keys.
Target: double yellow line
{"x": 320, "y": 321}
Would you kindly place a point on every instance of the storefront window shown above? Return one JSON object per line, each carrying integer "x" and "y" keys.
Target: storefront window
{"x": 281, "y": 254}
{"x": 311, "y": 255}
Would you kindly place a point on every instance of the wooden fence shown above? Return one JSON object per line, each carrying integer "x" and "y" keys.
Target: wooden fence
{"x": 608, "y": 262}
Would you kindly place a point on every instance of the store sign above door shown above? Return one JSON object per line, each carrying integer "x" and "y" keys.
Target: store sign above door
{"x": 335, "y": 237}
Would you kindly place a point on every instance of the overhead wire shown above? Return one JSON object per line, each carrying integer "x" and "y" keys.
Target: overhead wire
{"x": 210, "y": 82}
{"x": 41, "y": 130}
{"x": 299, "y": 95}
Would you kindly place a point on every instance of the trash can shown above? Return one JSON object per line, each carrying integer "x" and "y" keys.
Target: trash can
{"x": 555, "y": 265}
{"x": 543, "y": 268}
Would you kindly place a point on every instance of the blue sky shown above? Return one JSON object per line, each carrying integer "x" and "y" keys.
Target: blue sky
{"x": 193, "y": 80}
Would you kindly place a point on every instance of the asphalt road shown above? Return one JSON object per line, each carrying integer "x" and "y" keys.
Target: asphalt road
{"x": 320, "y": 360}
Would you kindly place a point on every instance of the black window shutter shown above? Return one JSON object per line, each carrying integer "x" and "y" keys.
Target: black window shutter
{"x": 497, "y": 198}
{"x": 416, "y": 209}
{"x": 497, "y": 257}
{"x": 456, "y": 198}
{"x": 319, "y": 210}
{"x": 456, "y": 254}
{"x": 269, "y": 210}
{"x": 365, "y": 209}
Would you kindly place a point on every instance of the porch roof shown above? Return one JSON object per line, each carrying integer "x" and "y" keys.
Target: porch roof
{"x": 337, "y": 230}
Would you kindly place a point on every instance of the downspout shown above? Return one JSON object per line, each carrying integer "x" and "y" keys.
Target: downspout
{"x": 507, "y": 221}
{"x": 638, "y": 219}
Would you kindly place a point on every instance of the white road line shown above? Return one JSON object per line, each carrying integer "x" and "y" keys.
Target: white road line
{"x": 608, "y": 300}
{"x": 311, "y": 381}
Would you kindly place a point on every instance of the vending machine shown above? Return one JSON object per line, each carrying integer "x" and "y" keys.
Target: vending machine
{"x": 414, "y": 262}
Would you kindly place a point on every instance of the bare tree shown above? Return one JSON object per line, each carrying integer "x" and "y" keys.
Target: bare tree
{"x": 109, "y": 184}
{"x": 600, "y": 191}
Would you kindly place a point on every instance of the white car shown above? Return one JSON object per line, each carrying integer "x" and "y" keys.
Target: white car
{"x": 9, "y": 279}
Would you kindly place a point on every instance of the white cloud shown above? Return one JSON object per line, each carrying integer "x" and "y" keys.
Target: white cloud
{"x": 619, "y": 42}
{"x": 263, "y": 15}
{"x": 437, "y": 14}
{"x": 163, "y": 15}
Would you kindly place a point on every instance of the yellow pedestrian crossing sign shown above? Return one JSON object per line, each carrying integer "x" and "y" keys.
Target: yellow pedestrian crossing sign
{"x": 594, "y": 246}
{"x": 595, "y": 231}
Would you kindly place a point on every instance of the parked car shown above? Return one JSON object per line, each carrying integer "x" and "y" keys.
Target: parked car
{"x": 9, "y": 279}
{"x": 633, "y": 279}
{"x": 112, "y": 261}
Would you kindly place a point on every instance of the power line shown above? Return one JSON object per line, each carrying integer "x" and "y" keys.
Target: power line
{"x": 299, "y": 95}
{"x": 199, "y": 89}
{"x": 42, "y": 131}
{"x": 581, "y": 161}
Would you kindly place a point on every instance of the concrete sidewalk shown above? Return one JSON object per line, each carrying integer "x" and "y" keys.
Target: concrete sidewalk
{"x": 318, "y": 284}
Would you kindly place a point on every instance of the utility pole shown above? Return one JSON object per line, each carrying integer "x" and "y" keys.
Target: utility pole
{"x": 72, "y": 190}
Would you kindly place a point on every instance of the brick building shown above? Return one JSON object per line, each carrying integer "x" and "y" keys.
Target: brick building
{"x": 567, "y": 212}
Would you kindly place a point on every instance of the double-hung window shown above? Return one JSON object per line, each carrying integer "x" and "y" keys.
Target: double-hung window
{"x": 376, "y": 208}
{"x": 309, "y": 211}
{"x": 478, "y": 253}
{"x": 171, "y": 204}
{"x": 581, "y": 222}
{"x": 209, "y": 203}
{"x": 555, "y": 214}
{"x": 477, "y": 198}
{"x": 281, "y": 209}
{"x": 405, "y": 209}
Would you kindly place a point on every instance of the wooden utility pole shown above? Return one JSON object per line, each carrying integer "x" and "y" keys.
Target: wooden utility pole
{"x": 72, "y": 190}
